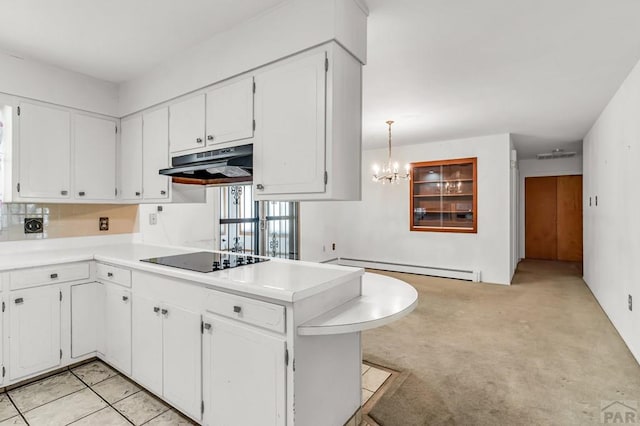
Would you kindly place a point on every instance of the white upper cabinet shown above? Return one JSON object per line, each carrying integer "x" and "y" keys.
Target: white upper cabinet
{"x": 155, "y": 146}
{"x": 130, "y": 158}
{"x": 230, "y": 112}
{"x": 94, "y": 158}
{"x": 307, "y": 144}
{"x": 290, "y": 116}
{"x": 186, "y": 124}
{"x": 44, "y": 152}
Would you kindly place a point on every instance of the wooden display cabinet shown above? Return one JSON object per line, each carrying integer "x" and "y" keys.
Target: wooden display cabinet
{"x": 444, "y": 196}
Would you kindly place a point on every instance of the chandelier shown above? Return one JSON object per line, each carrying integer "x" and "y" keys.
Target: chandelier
{"x": 389, "y": 173}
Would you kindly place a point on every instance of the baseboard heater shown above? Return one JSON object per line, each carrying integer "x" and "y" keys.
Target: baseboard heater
{"x": 459, "y": 274}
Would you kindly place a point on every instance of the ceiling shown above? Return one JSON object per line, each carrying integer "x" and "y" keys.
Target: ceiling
{"x": 540, "y": 69}
{"x": 115, "y": 40}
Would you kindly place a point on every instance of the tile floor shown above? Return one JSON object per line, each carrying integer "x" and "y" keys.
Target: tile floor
{"x": 90, "y": 394}
{"x": 95, "y": 394}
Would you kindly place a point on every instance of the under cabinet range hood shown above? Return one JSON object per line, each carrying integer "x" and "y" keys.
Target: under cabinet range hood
{"x": 222, "y": 166}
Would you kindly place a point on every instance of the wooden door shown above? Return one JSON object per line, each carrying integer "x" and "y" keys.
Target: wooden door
{"x": 569, "y": 214}
{"x": 541, "y": 238}
{"x": 95, "y": 158}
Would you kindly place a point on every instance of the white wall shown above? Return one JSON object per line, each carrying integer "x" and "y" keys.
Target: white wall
{"x": 377, "y": 228}
{"x": 189, "y": 225}
{"x": 30, "y": 79}
{"x": 611, "y": 153}
{"x": 277, "y": 33}
{"x": 533, "y": 168}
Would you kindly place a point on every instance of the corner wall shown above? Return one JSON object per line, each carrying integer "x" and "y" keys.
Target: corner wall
{"x": 377, "y": 228}
{"x": 611, "y": 164}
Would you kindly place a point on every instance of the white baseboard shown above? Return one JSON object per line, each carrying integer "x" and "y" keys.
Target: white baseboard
{"x": 458, "y": 274}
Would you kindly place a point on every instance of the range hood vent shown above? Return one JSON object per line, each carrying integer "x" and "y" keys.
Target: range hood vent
{"x": 556, "y": 153}
{"x": 223, "y": 166}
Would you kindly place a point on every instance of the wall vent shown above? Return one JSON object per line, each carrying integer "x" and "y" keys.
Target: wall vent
{"x": 556, "y": 153}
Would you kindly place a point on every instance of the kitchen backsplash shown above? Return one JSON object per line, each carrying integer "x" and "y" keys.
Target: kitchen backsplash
{"x": 66, "y": 220}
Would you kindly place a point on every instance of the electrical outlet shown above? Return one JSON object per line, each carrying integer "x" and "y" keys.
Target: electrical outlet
{"x": 103, "y": 224}
{"x": 153, "y": 218}
{"x": 630, "y": 303}
{"x": 33, "y": 225}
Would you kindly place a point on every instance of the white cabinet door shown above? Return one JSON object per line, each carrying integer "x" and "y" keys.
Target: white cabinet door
{"x": 130, "y": 158}
{"x": 155, "y": 146}
{"x": 94, "y": 158}
{"x": 44, "y": 152}
{"x": 118, "y": 327}
{"x": 85, "y": 311}
{"x": 101, "y": 318}
{"x": 186, "y": 124}
{"x": 182, "y": 359}
{"x": 289, "y": 153}
{"x": 242, "y": 364}
{"x": 146, "y": 366}
{"x": 230, "y": 112}
{"x": 35, "y": 331}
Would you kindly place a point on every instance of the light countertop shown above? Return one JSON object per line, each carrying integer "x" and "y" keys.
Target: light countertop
{"x": 279, "y": 279}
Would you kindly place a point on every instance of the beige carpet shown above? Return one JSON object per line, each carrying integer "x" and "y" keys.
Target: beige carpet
{"x": 538, "y": 352}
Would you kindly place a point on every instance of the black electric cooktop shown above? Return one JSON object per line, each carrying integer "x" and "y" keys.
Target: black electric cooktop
{"x": 204, "y": 261}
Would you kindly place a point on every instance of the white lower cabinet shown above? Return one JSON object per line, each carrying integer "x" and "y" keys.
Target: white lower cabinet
{"x": 117, "y": 327}
{"x": 167, "y": 352}
{"x": 34, "y": 317}
{"x": 87, "y": 311}
{"x": 241, "y": 365}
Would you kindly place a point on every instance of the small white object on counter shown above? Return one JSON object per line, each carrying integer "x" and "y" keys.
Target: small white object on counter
{"x": 384, "y": 300}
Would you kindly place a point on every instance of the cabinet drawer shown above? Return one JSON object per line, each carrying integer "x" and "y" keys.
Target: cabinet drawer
{"x": 113, "y": 274}
{"x": 33, "y": 277}
{"x": 255, "y": 312}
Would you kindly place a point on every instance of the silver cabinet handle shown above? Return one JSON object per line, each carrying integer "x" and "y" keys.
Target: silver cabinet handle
{"x": 237, "y": 309}
{"x": 110, "y": 274}
{"x": 260, "y": 187}
{"x": 165, "y": 312}
{"x": 19, "y": 301}
{"x": 64, "y": 192}
{"x": 199, "y": 140}
{"x": 209, "y": 137}
{"x": 156, "y": 309}
{"x": 53, "y": 276}
{"x": 207, "y": 326}
{"x": 163, "y": 192}
{"x": 137, "y": 193}
{"x": 125, "y": 298}
{"x": 81, "y": 193}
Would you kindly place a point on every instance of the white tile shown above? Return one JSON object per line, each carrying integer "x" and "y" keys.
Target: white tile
{"x": 366, "y": 394}
{"x": 94, "y": 372}
{"x": 66, "y": 409}
{"x": 7, "y": 410}
{"x": 17, "y": 420}
{"x": 365, "y": 368}
{"x": 374, "y": 378}
{"x": 46, "y": 390}
{"x": 115, "y": 389}
{"x": 105, "y": 417}
{"x": 170, "y": 418}
{"x": 141, "y": 407}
